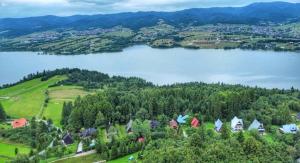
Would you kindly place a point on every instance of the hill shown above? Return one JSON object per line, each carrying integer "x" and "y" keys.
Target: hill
{"x": 275, "y": 12}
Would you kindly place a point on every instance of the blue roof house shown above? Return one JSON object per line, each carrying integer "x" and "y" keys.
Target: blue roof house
{"x": 182, "y": 119}
{"x": 289, "y": 129}
{"x": 218, "y": 125}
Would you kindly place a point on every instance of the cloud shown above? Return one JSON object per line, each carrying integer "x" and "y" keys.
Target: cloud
{"x": 25, "y": 8}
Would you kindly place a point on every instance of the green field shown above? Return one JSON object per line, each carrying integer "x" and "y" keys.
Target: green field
{"x": 58, "y": 95}
{"x": 86, "y": 159}
{"x": 26, "y": 99}
{"x": 7, "y": 149}
{"x": 124, "y": 159}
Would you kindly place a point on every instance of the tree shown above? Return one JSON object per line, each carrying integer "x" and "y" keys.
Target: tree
{"x": 225, "y": 132}
{"x": 2, "y": 113}
{"x": 16, "y": 151}
{"x": 240, "y": 137}
{"x": 142, "y": 114}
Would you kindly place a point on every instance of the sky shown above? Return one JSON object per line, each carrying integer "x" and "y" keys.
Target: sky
{"x": 28, "y": 8}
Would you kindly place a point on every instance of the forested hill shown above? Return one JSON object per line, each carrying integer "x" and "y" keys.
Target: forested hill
{"x": 276, "y": 12}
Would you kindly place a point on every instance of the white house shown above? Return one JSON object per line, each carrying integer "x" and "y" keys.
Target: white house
{"x": 256, "y": 125}
{"x": 236, "y": 124}
{"x": 289, "y": 128}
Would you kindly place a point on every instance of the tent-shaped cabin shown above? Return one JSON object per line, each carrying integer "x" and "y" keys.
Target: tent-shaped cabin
{"x": 182, "y": 119}
{"x": 88, "y": 132}
{"x": 236, "y": 124}
{"x": 129, "y": 126}
{"x": 195, "y": 122}
{"x": 173, "y": 124}
{"x": 154, "y": 124}
{"x": 256, "y": 125}
{"x": 218, "y": 125}
{"x": 67, "y": 139}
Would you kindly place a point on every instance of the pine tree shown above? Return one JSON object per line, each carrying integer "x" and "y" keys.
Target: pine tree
{"x": 225, "y": 132}
{"x": 2, "y": 113}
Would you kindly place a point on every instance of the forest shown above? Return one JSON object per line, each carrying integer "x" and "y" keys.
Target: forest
{"x": 119, "y": 100}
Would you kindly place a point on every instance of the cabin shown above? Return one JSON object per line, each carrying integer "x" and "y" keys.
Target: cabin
{"x": 88, "y": 132}
{"x": 129, "y": 126}
{"x": 79, "y": 148}
{"x": 154, "y": 124}
{"x": 256, "y": 125}
{"x": 218, "y": 125}
{"x": 182, "y": 119}
{"x": 173, "y": 124}
{"x": 195, "y": 122}
{"x": 141, "y": 139}
{"x": 67, "y": 139}
{"x": 236, "y": 124}
{"x": 289, "y": 129}
{"x": 18, "y": 123}
{"x": 298, "y": 116}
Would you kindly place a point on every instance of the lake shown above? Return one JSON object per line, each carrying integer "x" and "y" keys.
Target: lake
{"x": 166, "y": 66}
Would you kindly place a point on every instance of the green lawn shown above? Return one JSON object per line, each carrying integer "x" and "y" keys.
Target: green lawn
{"x": 8, "y": 149}
{"x": 58, "y": 95}
{"x": 86, "y": 159}
{"x": 26, "y": 99}
{"x": 124, "y": 159}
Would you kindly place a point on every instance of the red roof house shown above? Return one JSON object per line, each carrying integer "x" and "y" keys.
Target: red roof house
{"x": 195, "y": 122}
{"x": 173, "y": 124}
{"x": 19, "y": 123}
{"x": 141, "y": 139}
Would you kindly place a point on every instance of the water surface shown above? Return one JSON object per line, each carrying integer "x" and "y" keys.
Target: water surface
{"x": 166, "y": 66}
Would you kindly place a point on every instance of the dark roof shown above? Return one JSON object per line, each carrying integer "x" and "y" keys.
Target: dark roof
{"x": 68, "y": 139}
{"x": 154, "y": 124}
{"x": 88, "y": 132}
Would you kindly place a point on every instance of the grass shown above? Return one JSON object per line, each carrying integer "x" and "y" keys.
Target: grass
{"x": 58, "y": 95}
{"x": 124, "y": 159}
{"x": 7, "y": 149}
{"x": 86, "y": 159}
{"x": 26, "y": 99}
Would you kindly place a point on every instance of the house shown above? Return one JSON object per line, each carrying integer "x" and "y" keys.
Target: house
{"x": 256, "y": 125}
{"x": 67, "y": 139}
{"x": 79, "y": 148}
{"x": 88, "y": 132}
{"x": 289, "y": 128}
{"x": 19, "y": 123}
{"x": 182, "y": 119}
{"x": 298, "y": 116}
{"x": 195, "y": 122}
{"x": 236, "y": 124}
{"x": 141, "y": 139}
{"x": 154, "y": 124}
{"x": 173, "y": 124}
{"x": 129, "y": 126}
{"x": 218, "y": 125}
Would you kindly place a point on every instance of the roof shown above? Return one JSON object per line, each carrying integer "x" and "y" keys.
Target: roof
{"x": 173, "y": 123}
{"x": 129, "y": 125}
{"x": 236, "y": 121}
{"x": 182, "y": 119}
{"x": 298, "y": 116}
{"x": 256, "y": 125}
{"x": 195, "y": 122}
{"x": 218, "y": 125}
{"x": 289, "y": 128}
{"x": 67, "y": 139}
{"x": 141, "y": 139}
{"x": 80, "y": 147}
{"x": 88, "y": 132}
{"x": 19, "y": 123}
{"x": 154, "y": 124}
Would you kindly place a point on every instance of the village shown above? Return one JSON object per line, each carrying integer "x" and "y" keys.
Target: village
{"x": 85, "y": 141}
